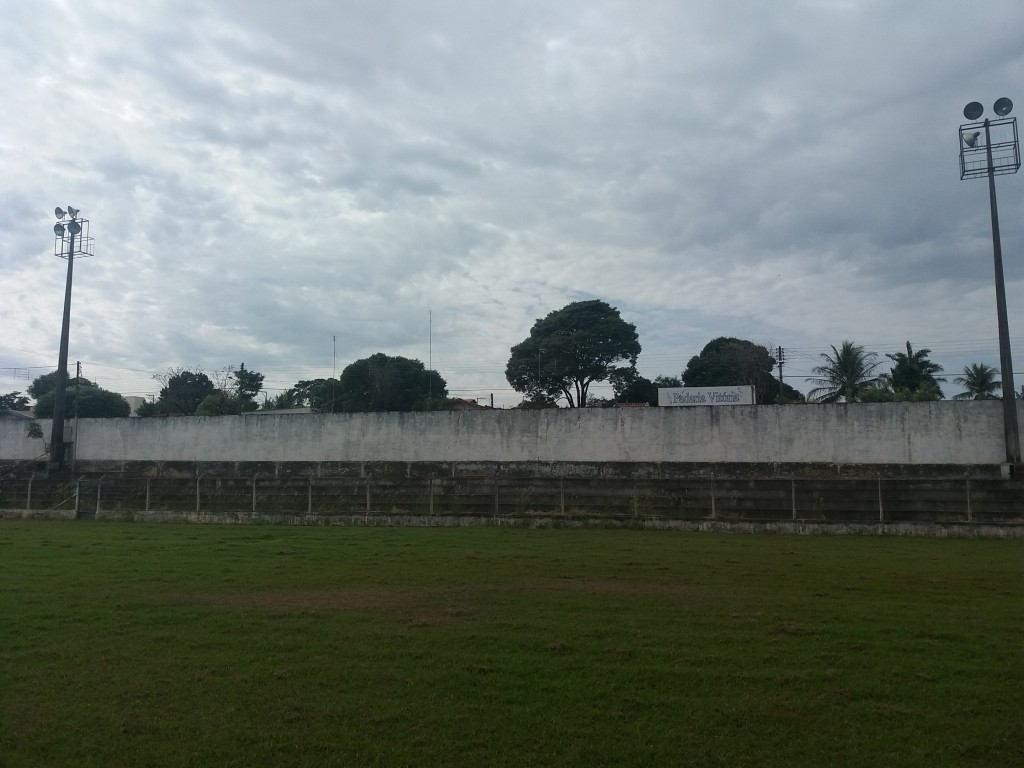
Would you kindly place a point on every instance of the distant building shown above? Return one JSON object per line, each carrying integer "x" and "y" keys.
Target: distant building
{"x": 134, "y": 402}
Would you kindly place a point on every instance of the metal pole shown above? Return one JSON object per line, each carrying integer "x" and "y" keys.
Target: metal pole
{"x": 57, "y": 433}
{"x": 1010, "y": 426}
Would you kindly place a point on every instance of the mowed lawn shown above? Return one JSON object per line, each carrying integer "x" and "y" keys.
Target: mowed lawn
{"x": 191, "y": 645}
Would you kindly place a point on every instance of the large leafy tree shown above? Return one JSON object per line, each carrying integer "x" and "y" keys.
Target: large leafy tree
{"x": 728, "y": 361}
{"x": 248, "y": 384}
{"x": 569, "y": 350}
{"x": 182, "y": 392}
{"x": 81, "y": 396}
{"x": 88, "y": 402}
{"x": 913, "y": 373}
{"x": 979, "y": 382}
{"x": 14, "y": 401}
{"x": 48, "y": 383}
{"x": 384, "y": 383}
{"x": 319, "y": 395}
{"x": 845, "y": 375}
{"x": 237, "y": 393}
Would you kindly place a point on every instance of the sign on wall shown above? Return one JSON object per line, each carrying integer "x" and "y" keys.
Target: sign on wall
{"x": 741, "y": 395}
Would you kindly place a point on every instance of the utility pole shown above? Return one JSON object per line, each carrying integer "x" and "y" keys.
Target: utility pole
{"x": 780, "y": 355}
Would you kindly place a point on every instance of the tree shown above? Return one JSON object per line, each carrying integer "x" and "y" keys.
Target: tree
{"x": 319, "y": 395}
{"x": 182, "y": 392}
{"x": 384, "y": 383}
{"x": 14, "y": 401}
{"x": 88, "y": 402}
{"x": 537, "y": 401}
{"x": 728, "y": 361}
{"x": 915, "y": 373}
{"x": 569, "y": 350}
{"x": 844, "y": 375}
{"x": 979, "y": 382}
{"x": 48, "y": 383}
{"x": 220, "y": 403}
{"x": 248, "y": 384}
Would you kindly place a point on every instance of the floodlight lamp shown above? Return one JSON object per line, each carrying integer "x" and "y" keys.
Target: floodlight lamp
{"x": 59, "y": 213}
{"x": 1003, "y": 107}
{"x": 58, "y": 229}
{"x": 73, "y": 212}
{"x": 74, "y": 227}
{"x": 971, "y": 139}
{"x": 973, "y": 110}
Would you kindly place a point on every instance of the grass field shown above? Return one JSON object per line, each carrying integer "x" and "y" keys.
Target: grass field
{"x": 190, "y": 645}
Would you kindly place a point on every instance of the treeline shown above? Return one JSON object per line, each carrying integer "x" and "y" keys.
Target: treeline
{"x": 565, "y": 353}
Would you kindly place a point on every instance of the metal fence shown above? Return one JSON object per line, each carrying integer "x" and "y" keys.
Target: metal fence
{"x": 879, "y": 499}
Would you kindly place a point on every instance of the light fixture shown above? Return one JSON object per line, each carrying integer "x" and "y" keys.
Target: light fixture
{"x": 59, "y": 213}
{"x": 74, "y": 227}
{"x": 73, "y": 212}
{"x": 971, "y": 139}
{"x": 1003, "y": 107}
{"x": 973, "y": 110}
{"x": 58, "y": 229}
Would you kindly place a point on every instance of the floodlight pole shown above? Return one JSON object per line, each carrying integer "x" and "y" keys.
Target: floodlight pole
{"x": 68, "y": 229}
{"x": 1012, "y": 428}
{"x": 56, "y": 461}
{"x": 1006, "y": 161}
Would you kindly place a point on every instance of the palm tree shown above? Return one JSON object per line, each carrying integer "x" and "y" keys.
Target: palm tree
{"x": 844, "y": 375}
{"x": 979, "y": 381}
{"x": 914, "y": 372}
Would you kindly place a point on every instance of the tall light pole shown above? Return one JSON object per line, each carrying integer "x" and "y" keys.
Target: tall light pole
{"x": 997, "y": 154}
{"x": 69, "y": 226}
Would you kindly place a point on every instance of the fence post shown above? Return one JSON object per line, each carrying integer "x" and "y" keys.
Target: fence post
{"x": 367, "y": 494}
{"x": 881, "y": 508}
{"x": 714, "y": 508}
{"x": 99, "y": 493}
{"x": 197, "y": 493}
{"x": 147, "y": 493}
{"x": 28, "y": 501}
{"x": 561, "y": 494}
{"x": 970, "y": 516}
{"x": 309, "y": 496}
{"x": 495, "y": 494}
{"x": 254, "y": 494}
{"x": 792, "y": 492}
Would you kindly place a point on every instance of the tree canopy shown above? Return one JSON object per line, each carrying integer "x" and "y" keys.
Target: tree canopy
{"x": 728, "y": 361}
{"x": 384, "y": 383}
{"x": 236, "y": 394}
{"x": 319, "y": 395}
{"x": 845, "y": 375}
{"x": 182, "y": 392}
{"x": 88, "y": 402}
{"x": 14, "y": 401}
{"x": 914, "y": 373}
{"x": 980, "y": 382}
{"x": 48, "y": 383}
{"x": 569, "y": 350}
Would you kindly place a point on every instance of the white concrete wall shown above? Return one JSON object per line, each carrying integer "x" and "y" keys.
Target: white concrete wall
{"x": 891, "y": 433}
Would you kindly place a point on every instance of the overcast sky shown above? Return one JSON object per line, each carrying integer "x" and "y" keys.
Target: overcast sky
{"x": 427, "y": 178}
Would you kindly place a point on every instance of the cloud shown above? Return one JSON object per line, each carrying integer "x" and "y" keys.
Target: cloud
{"x": 269, "y": 185}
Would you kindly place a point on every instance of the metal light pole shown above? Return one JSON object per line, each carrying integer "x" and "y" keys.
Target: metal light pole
{"x": 68, "y": 227}
{"x": 998, "y": 155}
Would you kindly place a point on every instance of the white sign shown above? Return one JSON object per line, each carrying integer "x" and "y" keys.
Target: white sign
{"x": 742, "y": 395}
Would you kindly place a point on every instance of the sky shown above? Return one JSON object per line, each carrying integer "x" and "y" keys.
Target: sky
{"x": 300, "y": 185}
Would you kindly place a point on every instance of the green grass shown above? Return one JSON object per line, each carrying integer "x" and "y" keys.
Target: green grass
{"x": 190, "y": 645}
